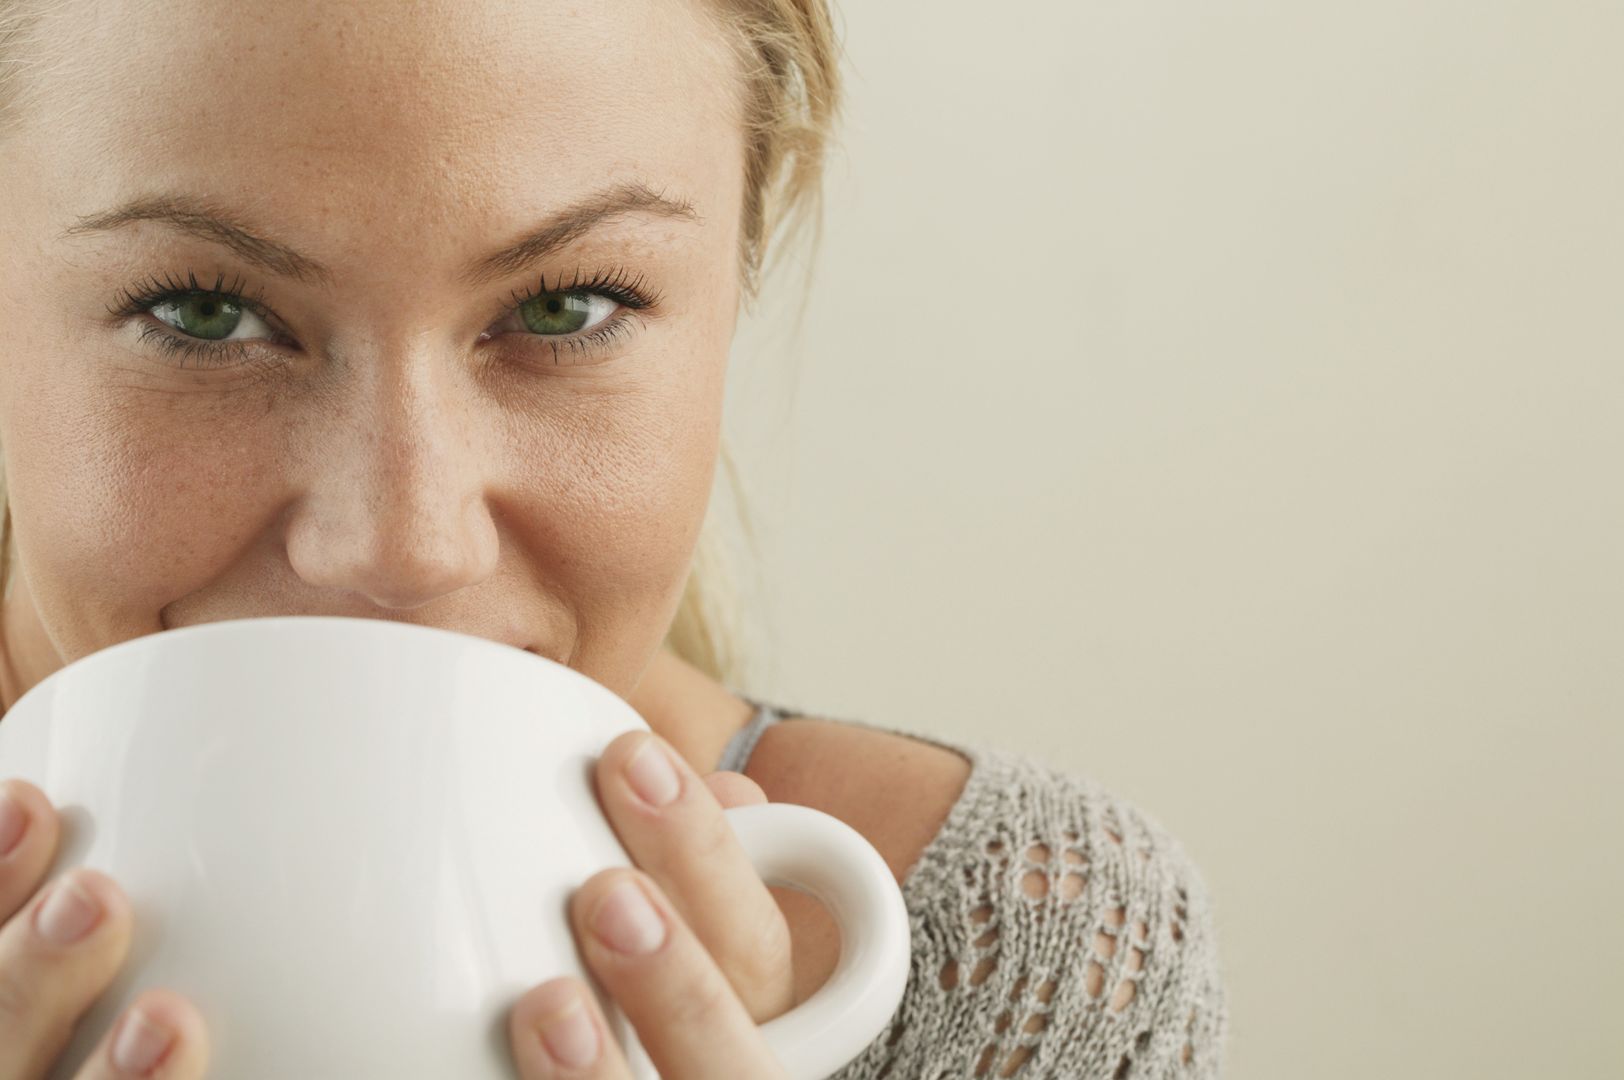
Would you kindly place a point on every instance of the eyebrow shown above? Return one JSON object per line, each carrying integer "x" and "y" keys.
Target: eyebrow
{"x": 205, "y": 219}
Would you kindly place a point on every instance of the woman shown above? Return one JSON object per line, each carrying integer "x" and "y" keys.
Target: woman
{"x": 423, "y": 313}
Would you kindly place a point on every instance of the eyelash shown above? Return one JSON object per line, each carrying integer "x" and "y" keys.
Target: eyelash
{"x": 151, "y": 292}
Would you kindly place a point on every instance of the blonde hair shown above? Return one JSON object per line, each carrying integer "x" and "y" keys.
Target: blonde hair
{"x": 789, "y": 98}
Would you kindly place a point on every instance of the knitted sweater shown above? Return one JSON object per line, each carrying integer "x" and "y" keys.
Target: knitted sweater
{"x": 1058, "y": 931}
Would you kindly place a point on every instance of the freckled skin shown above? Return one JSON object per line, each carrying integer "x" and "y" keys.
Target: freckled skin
{"x": 387, "y": 460}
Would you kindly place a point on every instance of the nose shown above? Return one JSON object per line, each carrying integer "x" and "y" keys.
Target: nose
{"x": 394, "y": 501}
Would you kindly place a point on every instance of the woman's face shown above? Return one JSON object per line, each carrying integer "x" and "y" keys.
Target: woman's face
{"x": 469, "y": 278}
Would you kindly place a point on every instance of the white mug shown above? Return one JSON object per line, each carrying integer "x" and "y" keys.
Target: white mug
{"x": 351, "y": 843}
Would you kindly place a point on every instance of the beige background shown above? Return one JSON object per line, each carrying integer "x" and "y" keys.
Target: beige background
{"x": 1225, "y": 401}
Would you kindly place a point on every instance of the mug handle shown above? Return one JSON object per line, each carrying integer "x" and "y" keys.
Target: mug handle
{"x": 817, "y": 853}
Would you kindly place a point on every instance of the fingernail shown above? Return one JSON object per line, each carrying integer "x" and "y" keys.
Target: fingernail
{"x": 627, "y": 922}
{"x": 13, "y": 821}
{"x": 652, "y": 775}
{"x": 568, "y": 1035}
{"x": 140, "y": 1043}
{"x": 68, "y": 913}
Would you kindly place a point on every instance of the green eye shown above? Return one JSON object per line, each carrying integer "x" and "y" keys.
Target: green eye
{"x": 203, "y": 315}
{"x": 556, "y": 313}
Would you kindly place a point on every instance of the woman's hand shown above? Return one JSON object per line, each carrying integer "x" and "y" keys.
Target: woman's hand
{"x": 691, "y": 945}
{"x": 695, "y": 980}
{"x": 60, "y": 947}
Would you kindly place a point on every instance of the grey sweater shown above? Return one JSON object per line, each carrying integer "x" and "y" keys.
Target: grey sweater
{"x": 1058, "y": 931}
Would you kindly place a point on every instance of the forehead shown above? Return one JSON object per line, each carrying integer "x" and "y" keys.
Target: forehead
{"x": 362, "y": 120}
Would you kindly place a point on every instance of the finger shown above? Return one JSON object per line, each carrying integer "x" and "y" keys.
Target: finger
{"x": 28, "y": 838}
{"x": 557, "y": 1030}
{"x": 59, "y": 950}
{"x": 686, "y": 845}
{"x": 159, "y": 1037}
{"x": 734, "y": 789}
{"x": 687, "y": 1016}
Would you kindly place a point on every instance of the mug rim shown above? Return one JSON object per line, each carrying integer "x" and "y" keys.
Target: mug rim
{"x": 257, "y": 624}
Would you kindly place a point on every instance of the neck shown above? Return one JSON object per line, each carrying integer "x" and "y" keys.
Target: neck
{"x": 689, "y": 709}
{"x": 26, "y": 653}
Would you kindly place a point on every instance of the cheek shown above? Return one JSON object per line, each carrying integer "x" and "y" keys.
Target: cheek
{"x": 615, "y": 488}
{"x": 110, "y": 486}
{"x": 143, "y": 488}
{"x": 142, "y": 501}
